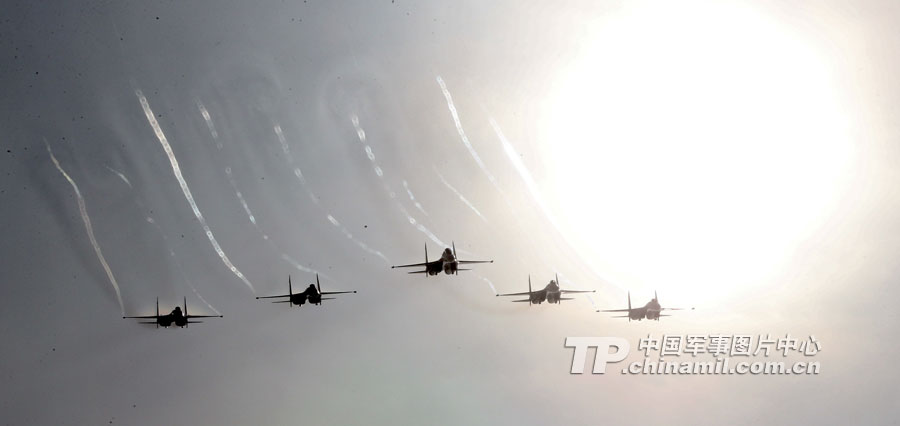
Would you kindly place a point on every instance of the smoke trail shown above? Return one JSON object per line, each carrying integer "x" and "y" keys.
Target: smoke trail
{"x": 361, "y": 134}
{"x": 166, "y": 239}
{"x": 212, "y": 128}
{"x": 591, "y": 299}
{"x": 420, "y": 227}
{"x": 176, "y": 170}
{"x": 201, "y": 297}
{"x": 240, "y": 196}
{"x": 302, "y": 268}
{"x": 493, "y": 289}
{"x": 299, "y": 174}
{"x": 118, "y": 173}
{"x": 361, "y": 244}
{"x": 89, "y": 228}
{"x": 284, "y": 144}
{"x": 462, "y": 133}
{"x": 290, "y": 160}
{"x": 533, "y": 188}
{"x": 413, "y": 198}
{"x": 178, "y": 264}
{"x": 525, "y": 174}
{"x": 458, "y": 194}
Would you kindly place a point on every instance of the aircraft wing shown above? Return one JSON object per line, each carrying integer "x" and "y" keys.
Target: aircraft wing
{"x": 467, "y": 262}
{"x": 272, "y": 297}
{"x": 417, "y": 272}
{"x": 411, "y": 265}
{"x": 673, "y": 309}
{"x": 615, "y": 310}
{"x": 523, "y": 300}
{"x": 527, "y": 293}
{"x": 337, "y": 292}
{"x": 204, "y": 316}
{"x": 577, "y": 291}
{"x": 156, "y": 317}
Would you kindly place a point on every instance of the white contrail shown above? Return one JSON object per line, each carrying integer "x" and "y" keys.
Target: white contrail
{"x": 89, "y": 228}
{"x": 525, "y": 174}
{"x": 176, "y": 170}
{"x": 462, "y": 132}
{"x": 490, "y": 284}
{"x": 284, "y": 144}
{"x": 178, "y": 264}
{"x": 215, "y": 135}
{"x": 302, "y": 268}
{"x": 361, "y": 134}
{"x": 413, "y": 198}
{"x": 591, "y": 299}
{"x": 290, "y": 160}
{"x": 201, "y": 297}
{"x": 312, "y": 196}
{"x": 240, "y": 196}
{"x": 533, "y": 187}
{"x": 209, "y": 123}
{"x": 458, "y": 194}
{"x": 361, "y": 244}
{"x": 420, "y": 227}
{"x": 118, "y": 173}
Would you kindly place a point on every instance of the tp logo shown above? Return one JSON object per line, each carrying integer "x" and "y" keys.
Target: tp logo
{"x": 603, "y": 355}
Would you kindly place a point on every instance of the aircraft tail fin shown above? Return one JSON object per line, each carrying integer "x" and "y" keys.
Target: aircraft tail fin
{"x": 558, "y": 285}
{"x": 319, "y": 287}
{"x": 529, "y": 289}
{"x": 452, "y": 243}
{"x": 629, "y": 306}
{"x": 157, "y": 312}
{"x": 290, "y": 292}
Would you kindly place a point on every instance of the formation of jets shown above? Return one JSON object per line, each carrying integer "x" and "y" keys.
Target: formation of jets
{"x": 449, "y": 264}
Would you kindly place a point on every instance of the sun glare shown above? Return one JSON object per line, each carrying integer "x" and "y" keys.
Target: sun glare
{"x": 693, "y": 146}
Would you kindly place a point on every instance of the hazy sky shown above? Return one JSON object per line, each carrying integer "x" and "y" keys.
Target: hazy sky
{"x": 736, "y": 157}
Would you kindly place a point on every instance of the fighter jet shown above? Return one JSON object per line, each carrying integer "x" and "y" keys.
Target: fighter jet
{"x": 313, "y": 294}
{"x": 176, "y": 317}
{"x": 448, "y": 263}
{"x": 551, "y": 293}
{"x": 651, "y": 311}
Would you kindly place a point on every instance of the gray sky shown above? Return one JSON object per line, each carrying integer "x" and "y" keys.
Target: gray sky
{"x": 740, "y": 158}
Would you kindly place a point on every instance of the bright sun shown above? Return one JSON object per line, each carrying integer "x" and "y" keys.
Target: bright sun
{"x": 692, "y": 148}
